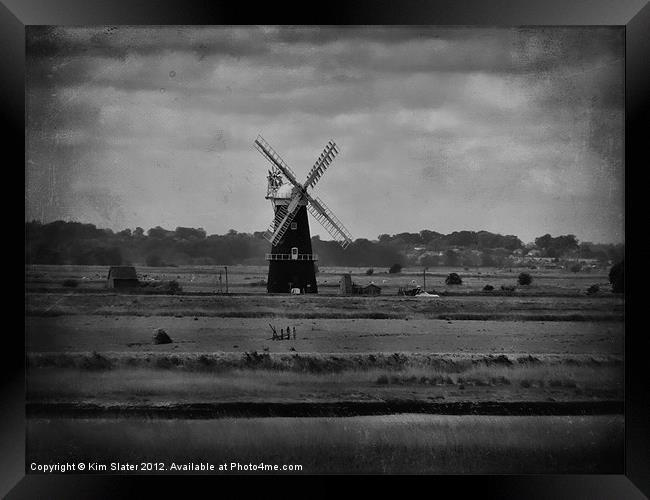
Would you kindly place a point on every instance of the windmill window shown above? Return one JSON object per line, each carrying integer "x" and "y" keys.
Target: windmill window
{"x": 294, "y": 225}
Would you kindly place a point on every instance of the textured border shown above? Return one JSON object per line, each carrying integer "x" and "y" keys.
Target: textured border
{"x": 634, "y": 14}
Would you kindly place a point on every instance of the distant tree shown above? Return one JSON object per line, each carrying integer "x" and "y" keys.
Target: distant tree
{"x": 575, "y": 268}
{"x": 370, "y": 271}
{"x": 395, "y": 268}
{"x": 617, "y": 277}
{"x": 453, "y": 279}
{"x": 557, "y": 247}
{"x": 511, "y": 242}
{"x": 470, "y": 258}
{"x": 488, "y": 288}
{"x": 154, "y": 260}
{"x": 525, "y": 279}
{"x": 429, "y": 259}
{"x": 543, "y": 242}
{"x": 189, "y": 233}
{"x": 158, "y": 232}
{"x": 462, "y": 239}
{"x": 616, "y": 252}
{"x": 487, "y": 259}
{"x": 586, "y": 252}
{"x": 138, "y": 232}
{"x": 427, "y": 236}
{"x": 452, "y": 259}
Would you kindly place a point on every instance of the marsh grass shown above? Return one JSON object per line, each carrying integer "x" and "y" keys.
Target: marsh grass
{"x": 175, "y": 385}
{"x": 393, "y": 443}
{"x": 576, "y": 308}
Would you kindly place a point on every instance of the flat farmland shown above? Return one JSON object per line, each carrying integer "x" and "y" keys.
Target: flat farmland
{"x": 576, "y": 308}
{"x": 252, "y": 279}
{"x": 77, "y": 333}
{"x": 546, "y": 358}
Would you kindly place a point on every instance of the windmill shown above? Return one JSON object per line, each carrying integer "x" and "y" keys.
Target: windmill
{"x": 291, "y": 261}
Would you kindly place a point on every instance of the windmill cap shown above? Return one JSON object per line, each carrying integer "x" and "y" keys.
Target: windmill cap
{"x": 284, "y": 191}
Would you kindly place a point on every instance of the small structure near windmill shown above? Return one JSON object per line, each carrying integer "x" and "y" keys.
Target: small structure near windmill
{"x": 348, "y": 287}
{"x": 122, "y": 277}
{"x": 291, "y": 261}
{"x": 371, "y": 289}
{"x": 346, "y": 284}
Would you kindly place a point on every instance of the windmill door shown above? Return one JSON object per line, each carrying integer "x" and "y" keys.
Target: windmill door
{"x": 294, "y": 253}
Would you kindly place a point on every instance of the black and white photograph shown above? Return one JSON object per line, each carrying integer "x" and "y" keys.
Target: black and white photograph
{"x": 305, "y": 249}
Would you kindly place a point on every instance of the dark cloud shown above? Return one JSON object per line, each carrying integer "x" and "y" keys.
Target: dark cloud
{"x": 481, "y": 119}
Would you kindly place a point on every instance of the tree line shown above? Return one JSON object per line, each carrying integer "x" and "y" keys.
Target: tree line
{"x": 62, "y": 242}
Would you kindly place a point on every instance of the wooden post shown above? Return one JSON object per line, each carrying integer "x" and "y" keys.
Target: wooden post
{"x": 226, "y": 267}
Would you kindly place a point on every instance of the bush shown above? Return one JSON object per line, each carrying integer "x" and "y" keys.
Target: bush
{"x": 453, "y": 279}
{"x": 617, "y": 277}
{"x": 173, "y": 287}
{"x": 70, "y": 283}
{"x": 525, "y": 279}
{"x": 593, "y": 289}
{"x": 395, "y": 268}
{"x": 370, "y": 271}
{"x": 488, "y": 288}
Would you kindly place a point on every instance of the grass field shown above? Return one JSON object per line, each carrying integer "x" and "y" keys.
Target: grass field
{"x": 548, "y": 342}
{"x": 473, "y": 382}
{"x": 407, "y": 444}
{"x": 251, "y": 279}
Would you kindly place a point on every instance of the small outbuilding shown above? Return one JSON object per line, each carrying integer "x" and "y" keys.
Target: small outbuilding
{"x": 122, "y": 277}
{"x": 346, "y": 284}
{"x": 371, "y": 289}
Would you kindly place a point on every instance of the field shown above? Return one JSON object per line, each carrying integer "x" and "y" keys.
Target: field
{"x": 402, "y": 444}
{"x": 547, "y": 347}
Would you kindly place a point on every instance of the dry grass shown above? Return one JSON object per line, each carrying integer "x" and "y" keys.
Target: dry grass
{"x": 256, "y": 384}
{"x": 331, "y": 307}
{"x": 394, "y": 443}
{"x": 318, "y": 363}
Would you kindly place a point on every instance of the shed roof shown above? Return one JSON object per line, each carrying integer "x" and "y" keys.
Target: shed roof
{"x": 122, "y": 272}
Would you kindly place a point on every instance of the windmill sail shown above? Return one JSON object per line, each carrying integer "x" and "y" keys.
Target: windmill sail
{"x": 282, "y": 222}
{"x": 284, "y": 215}
{"x": 329, "y": 221}
{"x": 324, "y": 160}
{"x": 269, "y": 153}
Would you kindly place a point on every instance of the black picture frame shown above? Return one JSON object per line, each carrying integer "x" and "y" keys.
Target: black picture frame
{"x": 633, "y": 14}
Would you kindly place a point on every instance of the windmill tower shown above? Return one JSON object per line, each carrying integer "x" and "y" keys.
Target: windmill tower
{"x": 291, "y": 261}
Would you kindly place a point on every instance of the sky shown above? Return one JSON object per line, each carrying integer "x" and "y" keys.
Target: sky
{"x": 510, "y": 130}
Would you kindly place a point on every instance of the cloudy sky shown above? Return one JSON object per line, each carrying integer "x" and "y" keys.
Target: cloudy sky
{"x": 516, "y": 131}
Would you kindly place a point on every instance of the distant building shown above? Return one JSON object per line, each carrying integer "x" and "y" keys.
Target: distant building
{"x": 371, "y": 289}
{"x": 346, "y": 284}
{"x": 122, "y": 277}
{"x": 350, "y": 288}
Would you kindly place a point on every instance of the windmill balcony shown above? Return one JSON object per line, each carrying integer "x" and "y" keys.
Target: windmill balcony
{"x": 288, "y": 256}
